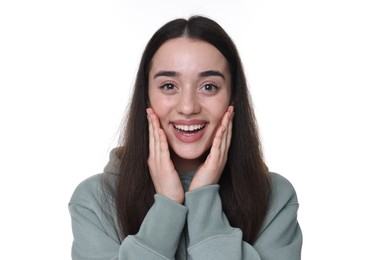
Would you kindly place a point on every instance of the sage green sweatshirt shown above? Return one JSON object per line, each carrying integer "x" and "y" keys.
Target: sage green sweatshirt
{"x": 197, "y": 230}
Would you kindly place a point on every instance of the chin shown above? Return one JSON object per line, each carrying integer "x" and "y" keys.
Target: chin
{"x": 190, "y": 154}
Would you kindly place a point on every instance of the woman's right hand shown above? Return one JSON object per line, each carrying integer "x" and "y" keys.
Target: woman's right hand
{"x": 164, "y": 175}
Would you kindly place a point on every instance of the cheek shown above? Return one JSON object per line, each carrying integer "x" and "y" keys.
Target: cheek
{"x": 218, "y": 110}
{"x": 160, "y": 107}
{"x": 218, "y": 122}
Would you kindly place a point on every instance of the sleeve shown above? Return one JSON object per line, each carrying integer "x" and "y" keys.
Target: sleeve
{"x": 282, "y": 238}
{"x": 281, "y": 235}
{"x": 212, "y": 237}
{"x": 210, "y": 234}
{"x": 157, "y": 238}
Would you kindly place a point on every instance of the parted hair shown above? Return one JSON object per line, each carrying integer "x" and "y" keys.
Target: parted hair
{"x": 244, "y": 184}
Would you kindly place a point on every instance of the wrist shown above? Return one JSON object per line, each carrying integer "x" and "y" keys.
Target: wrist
{"x": 177, "y": 197}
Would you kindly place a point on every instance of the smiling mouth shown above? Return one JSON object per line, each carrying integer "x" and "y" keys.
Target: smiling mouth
{"x": 189, "y": 129}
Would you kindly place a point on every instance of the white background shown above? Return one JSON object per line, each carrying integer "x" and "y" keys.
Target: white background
{"x": 319, "y": 73}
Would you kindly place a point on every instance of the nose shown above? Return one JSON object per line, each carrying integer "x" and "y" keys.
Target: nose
{"x": 188, "y": 102}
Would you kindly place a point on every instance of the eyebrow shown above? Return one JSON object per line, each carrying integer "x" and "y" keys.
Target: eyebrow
{"x": 209, "y": 73}
{"x": 166, "y": 73}
{"x": 203, "y": 74}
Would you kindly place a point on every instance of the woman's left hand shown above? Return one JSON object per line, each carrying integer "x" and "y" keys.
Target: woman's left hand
{"x": 210, "y": 171}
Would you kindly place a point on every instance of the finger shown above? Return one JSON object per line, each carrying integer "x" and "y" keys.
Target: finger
{"x": 161, "y": 147}
{"x": 152, "y": 153}
{"x": 220, "y": 139}
{"x": 156, "y": 137}
{"x": 226, "y": 122}
{"x": 215, "y": 151}
{"x": 154, "y": 129}
{"x": 229, "y": 132}
{"x": 164, "y": 148}
{"x": 151, "y": 134}
{"x": 159, "y": 136}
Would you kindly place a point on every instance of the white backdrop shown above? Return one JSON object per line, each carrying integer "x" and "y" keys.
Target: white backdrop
{"x": 319, "y": 73}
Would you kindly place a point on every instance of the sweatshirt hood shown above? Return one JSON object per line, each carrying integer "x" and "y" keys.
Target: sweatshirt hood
{"x": 113, "y": 164}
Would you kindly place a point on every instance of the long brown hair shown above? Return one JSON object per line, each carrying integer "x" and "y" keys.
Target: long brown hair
{"x": 244, "y": 185}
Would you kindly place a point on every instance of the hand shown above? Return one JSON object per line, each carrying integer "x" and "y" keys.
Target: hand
{"x": 210, "y": 171}
{"x": 164, "y": 176}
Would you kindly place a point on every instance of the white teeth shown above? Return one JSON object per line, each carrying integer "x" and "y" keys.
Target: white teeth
{"x": 188, "y": 127}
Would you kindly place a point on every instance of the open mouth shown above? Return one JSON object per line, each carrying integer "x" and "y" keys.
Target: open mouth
{"x": 189, "y": 129}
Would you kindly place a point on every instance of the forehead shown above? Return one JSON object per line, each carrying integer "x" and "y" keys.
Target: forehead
{"x": 188, "y": 55}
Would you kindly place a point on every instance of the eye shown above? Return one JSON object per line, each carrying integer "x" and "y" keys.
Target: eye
{"x": 210, "y": 88}
{"x": 168, "y": 88}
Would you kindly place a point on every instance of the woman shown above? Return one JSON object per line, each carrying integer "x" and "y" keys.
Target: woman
{"x": 188, "y": 181}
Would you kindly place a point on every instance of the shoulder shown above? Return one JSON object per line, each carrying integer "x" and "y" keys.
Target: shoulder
{"x": 91, "y": 204}
{"x": 283, "y": 191}
{"x": 92, "y": 195}
{"x": 89, "y": 184}
{"x": 88, "y": 191}
{"x": 283, "y": 199}
{"x": 280, "y": 235}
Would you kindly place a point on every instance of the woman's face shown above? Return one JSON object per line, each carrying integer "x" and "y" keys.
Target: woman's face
{"x": 189, "y": 90}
